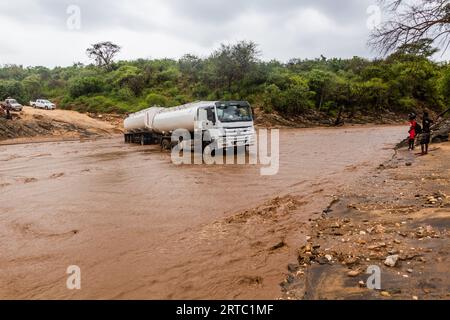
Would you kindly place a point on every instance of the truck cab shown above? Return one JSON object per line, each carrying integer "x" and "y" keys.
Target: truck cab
{"x": 228, "y": 124}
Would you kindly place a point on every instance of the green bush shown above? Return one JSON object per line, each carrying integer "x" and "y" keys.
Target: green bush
{"x": 85, "y": 86}
{"x": 154, "y": 99}
{"x": 407, "y": 104}
{"x": 13, "y": 89}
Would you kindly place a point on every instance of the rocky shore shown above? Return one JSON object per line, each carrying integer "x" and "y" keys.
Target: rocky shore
{"x": 397, "y": 219}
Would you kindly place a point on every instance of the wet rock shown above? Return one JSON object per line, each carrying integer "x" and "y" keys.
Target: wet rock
{"x": 279, "y": 245}
{"x": 322, "y": 260}
{"x": 378, "y": 229}
{"x": 391, "y": 261}
{"x": 441, "y": 133}
{"x": 354, "y": 273}
{"x": 377, "y": 246}
{"x": 351, "y": 261}
{"x": 336, "y": 225}
{"x": 293, "y": 267}
{"x": 422, "y": 232}
{"x": 385, "y": 294}
{"x": 432, "y": 200}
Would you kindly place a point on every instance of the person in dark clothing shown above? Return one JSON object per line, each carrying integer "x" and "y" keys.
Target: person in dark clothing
{"x": 426, "y": 133}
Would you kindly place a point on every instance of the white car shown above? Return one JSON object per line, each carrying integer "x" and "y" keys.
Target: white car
{"x": 12, "y": 105}
{"x": 43, "y": 104}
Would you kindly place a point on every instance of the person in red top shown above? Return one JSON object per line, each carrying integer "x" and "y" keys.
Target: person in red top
{"x": 412, "y": 131}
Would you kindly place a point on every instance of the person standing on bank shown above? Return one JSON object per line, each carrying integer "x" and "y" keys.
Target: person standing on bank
{"x": 412, "y": 131}
{"x": 426, "y": 133}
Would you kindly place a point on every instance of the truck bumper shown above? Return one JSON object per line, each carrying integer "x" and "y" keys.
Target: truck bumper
{"x": 231, "y": 142}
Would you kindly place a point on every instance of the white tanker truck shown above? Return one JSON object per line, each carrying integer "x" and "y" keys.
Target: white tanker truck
{"x": 227, "y": 124}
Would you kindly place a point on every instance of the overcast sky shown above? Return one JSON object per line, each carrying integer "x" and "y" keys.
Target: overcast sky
{"x": 57, "y": 32}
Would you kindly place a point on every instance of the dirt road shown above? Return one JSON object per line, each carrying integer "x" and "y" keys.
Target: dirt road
{"x": 140, "y": 227}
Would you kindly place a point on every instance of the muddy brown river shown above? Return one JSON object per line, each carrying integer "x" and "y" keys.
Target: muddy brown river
{"x": 141, "y": 227}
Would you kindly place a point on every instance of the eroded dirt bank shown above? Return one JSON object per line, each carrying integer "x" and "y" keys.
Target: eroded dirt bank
{"x": 35, "y": 125}
{"x": 398, "y": 218}
{"x": 140, "y": 227}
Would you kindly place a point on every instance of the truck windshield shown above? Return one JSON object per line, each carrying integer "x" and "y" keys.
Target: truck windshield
{"x": 234, "y": 113}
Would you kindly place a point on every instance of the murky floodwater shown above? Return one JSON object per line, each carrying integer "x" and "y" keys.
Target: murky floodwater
{"x": 140, "y": 227}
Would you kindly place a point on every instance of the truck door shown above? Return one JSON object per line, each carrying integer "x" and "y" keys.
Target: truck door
{"x": 206, "y": 118}
{"x": 211, "y": 115}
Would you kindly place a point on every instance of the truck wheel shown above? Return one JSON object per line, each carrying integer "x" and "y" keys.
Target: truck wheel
{"x": 165, "y": 144}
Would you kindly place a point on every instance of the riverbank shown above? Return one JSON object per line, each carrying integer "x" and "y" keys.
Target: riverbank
{"x": 315, "y": 118}
{"x": 35, "y": 125}
{"x": 396, "y": 218}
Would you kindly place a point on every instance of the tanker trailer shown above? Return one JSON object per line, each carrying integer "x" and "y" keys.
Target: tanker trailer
{"x": 225, "y": 124}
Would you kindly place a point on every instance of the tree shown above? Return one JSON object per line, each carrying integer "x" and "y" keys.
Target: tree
{"x": 420, "y": 49}
{"x": 190, "y": 66}
{"x": 32, "y": 86}
{"x": 85, "y": 86}
{"x": 12, "y": 88}
{"x": 234, "y": 62}
{"x": 129, "y": 77}
{"x": 410, "y": 21}
{"x": 444, "y": 85}
{"x": 103, "y": 53}
{"x": 321, "y": 82}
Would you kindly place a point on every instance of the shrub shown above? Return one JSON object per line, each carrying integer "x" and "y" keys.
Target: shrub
{"x": 154, "y": 99}
{"x": 85, "y": 86}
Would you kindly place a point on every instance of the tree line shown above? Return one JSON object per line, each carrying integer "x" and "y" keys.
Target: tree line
{"x": 404, "y": 81}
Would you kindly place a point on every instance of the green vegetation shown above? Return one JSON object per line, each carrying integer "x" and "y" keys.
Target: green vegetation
{"x": 405, "y": 81}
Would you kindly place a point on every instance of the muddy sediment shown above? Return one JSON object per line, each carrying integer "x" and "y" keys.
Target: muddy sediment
{"x": 139, "y": 226}
{"x": 398, "y": 219}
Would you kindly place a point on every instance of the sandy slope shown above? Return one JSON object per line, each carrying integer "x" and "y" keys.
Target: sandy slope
{"x": 37, "y": 125}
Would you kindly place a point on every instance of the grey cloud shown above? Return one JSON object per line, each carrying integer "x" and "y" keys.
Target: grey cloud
{"x": 223, "y": 10}
{"x": 194, "y": 25}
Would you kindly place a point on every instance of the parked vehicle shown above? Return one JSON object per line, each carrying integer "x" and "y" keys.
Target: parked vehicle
{"x": 43, "y": 104}
{"x": 223, "y": 123}
{"x": 12, "y": 105}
